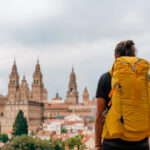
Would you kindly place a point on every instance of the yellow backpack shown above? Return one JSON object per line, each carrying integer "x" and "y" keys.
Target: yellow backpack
{"x": 129, "y": 114}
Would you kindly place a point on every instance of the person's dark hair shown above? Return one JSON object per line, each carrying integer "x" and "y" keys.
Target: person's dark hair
{"x": 125, "y": 48}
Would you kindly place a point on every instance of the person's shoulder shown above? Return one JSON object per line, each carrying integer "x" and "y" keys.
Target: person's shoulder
{"x": 105, "y": 75}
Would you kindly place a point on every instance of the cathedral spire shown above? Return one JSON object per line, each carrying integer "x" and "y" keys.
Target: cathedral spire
{"x": 24, "y": 79}
{"x": 24, "y": 89}
{"x": 39, "y": 93}
{"x": 37, "y": 68}
{"x": 73, "y": 75}
{"x": 13, "y": 86}
{"x": 85, "y": 96}
{"x": 72, "y": 69}
{"x": 24, "y": 83}
{"x": 72, "y": 94}
{"x": 14, "y": 69}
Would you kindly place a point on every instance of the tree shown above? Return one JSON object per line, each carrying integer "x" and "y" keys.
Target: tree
{"x": 57, "y": 144}
{"x": 20, "y": 126}
{"x": 32, "y": 133}
{"x": 4, "y": 138}
{"x": 71, "y": 142}
{"x": 63, "y": 130}
{"x": 25, "y": 142}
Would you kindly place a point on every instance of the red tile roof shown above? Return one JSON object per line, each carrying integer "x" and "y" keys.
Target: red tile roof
{"x": 9, "y": 132}
{"x": 44, "y": 133}
{"x": 60, "y": 136}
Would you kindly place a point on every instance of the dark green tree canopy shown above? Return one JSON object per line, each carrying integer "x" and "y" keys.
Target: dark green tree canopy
{"x": 20, "y": 126}
{"x": 4, "y": 138}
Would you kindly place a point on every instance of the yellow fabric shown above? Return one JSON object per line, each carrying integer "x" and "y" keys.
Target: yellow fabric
{"x": 130, "y": 99}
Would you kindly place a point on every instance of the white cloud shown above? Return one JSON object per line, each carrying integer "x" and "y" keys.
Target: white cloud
{"x": 62, "y": 33}
{"x": 133, "y": 18}
{"x": 24, "y": 12}
{"x": 54, "y": 56}
{"x": 3, "y": 86}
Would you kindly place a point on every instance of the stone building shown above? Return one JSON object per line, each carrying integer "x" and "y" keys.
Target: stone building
{"x": 85, "y": 96}
{"x": 39, "y": 92}
{"x": 14, "y": 86}
{"x": 2, "y": 103}
{"x": 72, "y": 93}
{"x": 21, "y": 98}
{"x": 17, "y": 91}
{"x": 58, "y": 108}
{"x": 33, "y": 111}
{"x": 34, "y": 102}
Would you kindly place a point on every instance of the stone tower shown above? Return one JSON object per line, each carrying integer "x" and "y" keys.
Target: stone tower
{"x": 39, "y": 93}
{"x": 13, "y": 86}
{"x": 72, "y": 94}
{"x": 24, "y": 90}
{"x": 85, "y": 96}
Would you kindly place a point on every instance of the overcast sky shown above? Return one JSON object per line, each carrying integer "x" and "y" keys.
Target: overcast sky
{"x": 66, "y": 33}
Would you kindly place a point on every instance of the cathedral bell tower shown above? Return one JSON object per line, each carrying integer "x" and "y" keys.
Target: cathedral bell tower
{"x": 85, "y": 96}
{"x": 39, "y": 93}
{"x": 72, "y": 94}
{"x": 24, "y": 89}
{"x": 13, "y": 86}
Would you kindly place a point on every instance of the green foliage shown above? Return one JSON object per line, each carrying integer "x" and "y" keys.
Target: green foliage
{"x": 20, "y": 126}
{"x": 91, "y": 120}
{"x": 63, "y": 130}
{"x": 83, "y": 147}
{"x": 71, "y": 142}
{"x": 4, "y": 138}
{"x": 58, "y": 144}
{"x": 32, "y": 133}
{"x": 25, "y": 142}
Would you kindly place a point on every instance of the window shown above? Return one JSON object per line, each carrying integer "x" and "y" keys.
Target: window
{"x": 1, "y": 114}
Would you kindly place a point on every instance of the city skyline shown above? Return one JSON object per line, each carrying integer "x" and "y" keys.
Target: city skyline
{"x": 23, "y": 77}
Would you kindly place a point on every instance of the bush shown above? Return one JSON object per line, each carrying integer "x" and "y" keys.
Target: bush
{"x": 58, "y": 144}
{"x": 4, "y": 138}
{"x": 71, "y": 142}
{"x": 25, "y": 142}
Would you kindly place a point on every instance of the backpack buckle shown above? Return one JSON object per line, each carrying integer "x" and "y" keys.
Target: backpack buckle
{"x": 133, "y": 68}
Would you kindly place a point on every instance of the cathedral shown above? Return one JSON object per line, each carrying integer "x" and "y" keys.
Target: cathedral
{"x": 21, "y": 98}
{"x": 34, "y": 102}
{"x": 17, "y": 91}
{"x": 72, "y": 94}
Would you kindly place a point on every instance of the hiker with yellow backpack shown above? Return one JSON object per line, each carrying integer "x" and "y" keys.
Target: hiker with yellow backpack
{"x": 123, "y": 102}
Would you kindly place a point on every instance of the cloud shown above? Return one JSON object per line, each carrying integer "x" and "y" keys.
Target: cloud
{"x": 68, "y": 32}
{"x": 26, "y": 12}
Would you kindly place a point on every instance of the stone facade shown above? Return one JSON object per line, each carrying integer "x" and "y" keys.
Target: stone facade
{"x": 21, "y": 98}
{"x": 17, "y": 91}
{"x": 70, "y": 105}
{"x": 72, "y": 93}
{"x": 33, "y": 111}
{"x": 39, "y": 92}
{"x": 34, "y": 102}
{"x": 85, "y": 96}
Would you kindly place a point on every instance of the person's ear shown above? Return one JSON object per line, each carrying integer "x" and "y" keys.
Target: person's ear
{"x": 116, "y": 56}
